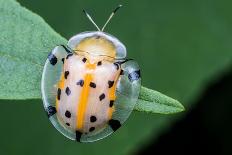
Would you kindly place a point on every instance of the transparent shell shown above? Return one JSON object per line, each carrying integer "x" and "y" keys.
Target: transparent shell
{"x": 127, "y": 92}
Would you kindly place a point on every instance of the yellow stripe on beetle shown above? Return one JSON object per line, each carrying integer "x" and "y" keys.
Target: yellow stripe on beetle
{"x": 81, "y": 109}
{"x": 83, "y": 102}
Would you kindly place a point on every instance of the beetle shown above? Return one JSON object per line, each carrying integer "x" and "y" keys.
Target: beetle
{"x": 89, "y": 87}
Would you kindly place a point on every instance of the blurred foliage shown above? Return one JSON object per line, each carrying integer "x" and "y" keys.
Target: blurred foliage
{"x": 180, "y": 45}
{"x": 205, "y": 129}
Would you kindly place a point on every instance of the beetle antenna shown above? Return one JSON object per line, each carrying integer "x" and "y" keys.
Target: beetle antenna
{"x": 90, "y": 18}
{"x": 112, "y": 14}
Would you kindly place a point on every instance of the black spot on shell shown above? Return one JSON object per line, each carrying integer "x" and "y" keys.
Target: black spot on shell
{"x": 66, "y": 73}
{"x": 110, "y": 83}
{"x": 67, "y": 114}
{"x": 133, "y": 76}
{"x": 62, "y": 60}
{"x": 111, "y": 103}
{"x": 92, "y": 84}
{"x": 58, "y": 93}
{"x": 102, "y": 96}
{"x": 51, "y": 111}
{"x": 91, "y": 129}
{"x": 80, "y": 82}
{"x": 67, "y": 91}
{"x": 84, "y": 60}
{"x": 99, "y": 63}
{"x": 122, "y": 72}
{"x": 78, "y": 136}
{"x": 93, "y": 119}
{"x": 67, "y": 124}
{"x": 114, "y": 124}
{"x": 52, "y": 59}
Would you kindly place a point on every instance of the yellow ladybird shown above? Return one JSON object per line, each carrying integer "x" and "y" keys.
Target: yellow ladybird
{"x": 89, "y": 87}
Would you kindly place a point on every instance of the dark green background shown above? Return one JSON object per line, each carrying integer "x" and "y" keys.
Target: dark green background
{"x": 181, "y": 46}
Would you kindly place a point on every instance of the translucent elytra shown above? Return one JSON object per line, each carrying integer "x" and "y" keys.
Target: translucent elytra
{"x": 88, "y": 96}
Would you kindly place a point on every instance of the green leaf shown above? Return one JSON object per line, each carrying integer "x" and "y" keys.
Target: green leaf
{"x": 152, "y": 101}
{"x": 26, "y": 40}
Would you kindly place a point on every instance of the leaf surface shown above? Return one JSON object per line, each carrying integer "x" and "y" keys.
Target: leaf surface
{"x": 25, "y": 40}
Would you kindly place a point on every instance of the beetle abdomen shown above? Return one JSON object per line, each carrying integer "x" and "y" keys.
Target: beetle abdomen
{"x": 86, "y": 94}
